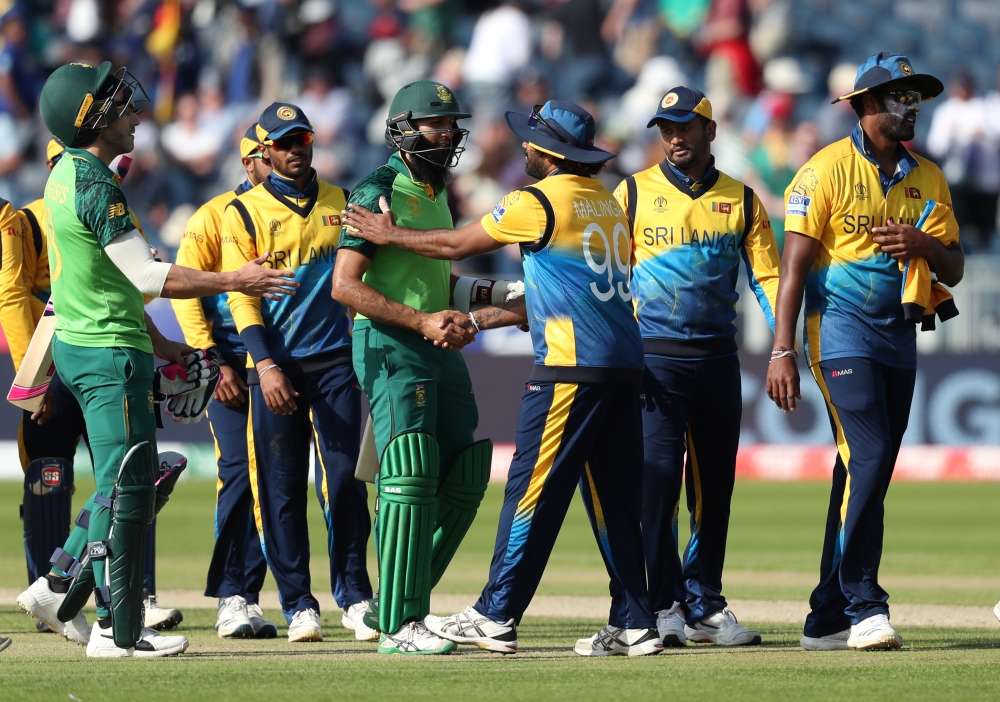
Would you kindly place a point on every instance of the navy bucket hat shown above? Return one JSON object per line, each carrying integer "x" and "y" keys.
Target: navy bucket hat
{"x": 561, "y": 129}
{"x": 885, "y": 68}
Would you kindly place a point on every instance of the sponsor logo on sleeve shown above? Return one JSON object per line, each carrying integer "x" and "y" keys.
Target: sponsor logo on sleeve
{"x": 498, "y": 212}
{"x": 798, "y": 205}
{"x": 116, "y": 209}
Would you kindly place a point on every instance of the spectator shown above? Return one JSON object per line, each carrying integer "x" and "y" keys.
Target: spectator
{"x": 731, "y": 68}
{"x": 572, "y": 41}
{"x": 20, "y": 83}
{"x": 968, "y": 150}
{"x": 835, "y": 121}
{"x": 500, "y": 47}
{"x": 193, "y": 149}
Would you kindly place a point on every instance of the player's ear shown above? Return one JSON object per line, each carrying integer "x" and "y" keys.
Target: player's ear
{"x": 710, "y": 130}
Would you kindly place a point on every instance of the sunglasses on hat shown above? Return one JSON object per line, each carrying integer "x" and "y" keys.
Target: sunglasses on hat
{"x": 536, "y": 118}
{"x": 287, "y": 142}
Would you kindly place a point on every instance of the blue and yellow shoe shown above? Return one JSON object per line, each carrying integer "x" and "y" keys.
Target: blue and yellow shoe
{"x": 413, "y": 639}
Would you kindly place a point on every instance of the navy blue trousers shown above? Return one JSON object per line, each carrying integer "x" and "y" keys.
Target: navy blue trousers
{"x": 329, "y": 412}
{"x": 238, "y": 566}
{"x": 571, "y": 435}
{"x": 869, "y": 406}
{"x": 691, "y": 412}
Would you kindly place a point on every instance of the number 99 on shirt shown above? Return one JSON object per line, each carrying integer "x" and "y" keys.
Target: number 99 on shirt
{"x": 593, "y": 239}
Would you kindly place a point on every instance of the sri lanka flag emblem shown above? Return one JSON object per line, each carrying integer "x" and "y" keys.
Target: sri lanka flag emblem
{"x": 722, "y": 207}
{"x": 331, "y": 220}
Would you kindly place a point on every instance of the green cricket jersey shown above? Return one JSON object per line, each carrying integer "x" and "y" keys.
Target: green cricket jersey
{"x": 408, "y": 278}
{"x": 85, "y": 208}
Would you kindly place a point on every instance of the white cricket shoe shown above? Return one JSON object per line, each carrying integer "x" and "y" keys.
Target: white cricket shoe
{"x": 102, "y": 644}
{"x": 233, "y": 621}
{"x": 471, "y": 627}
{"x": 353, "y": 619}
{"x": 722, "y": 629}
{"x": 874, "y": 633}
{"x": 152, "y": 644}
{"x": 157, "y": 617}
{"x": 262, "y": 628}
{"x": 305, "y": 626}
{"x": 830, "y": 642}
{"x": 414, "y": 639}
{"x": 612, "y": 641}
{"x": 43, "y": 604}
{"x": 670, "y": 626}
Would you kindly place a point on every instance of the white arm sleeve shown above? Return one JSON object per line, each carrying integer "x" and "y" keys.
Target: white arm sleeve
{"x": 130, "y": 252}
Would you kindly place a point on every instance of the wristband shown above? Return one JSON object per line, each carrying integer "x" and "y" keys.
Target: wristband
{"x": 265, "y": 369}
{"x": 472, "y": 318}
{"x": 782, "y": 352}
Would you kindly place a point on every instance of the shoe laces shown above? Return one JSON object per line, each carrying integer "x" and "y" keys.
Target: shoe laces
{"x": 305, "y": 615}
{"x": 674, "y": 611}
{"x": 254, "y": 610}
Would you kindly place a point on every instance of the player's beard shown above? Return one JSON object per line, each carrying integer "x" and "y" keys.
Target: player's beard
{"x": 891, "y": 121}
{"x": 535, "y": 165}
{"x": 431, "y": 166}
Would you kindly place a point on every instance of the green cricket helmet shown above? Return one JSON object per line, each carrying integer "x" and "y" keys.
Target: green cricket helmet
{"x": 80, "y": 97}
{"x": 424, "y": 99}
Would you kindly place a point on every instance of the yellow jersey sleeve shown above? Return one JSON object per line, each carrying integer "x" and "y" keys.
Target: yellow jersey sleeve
{"x": 621, "y": 195}
{"x": 517, "y": 219}
{"x": 763, "y": 263}
{"x": 200, "y": 249}
{"x": 16, "y": 315}
{"x": 808, "y": 201}
{"x": 238, "y": 249}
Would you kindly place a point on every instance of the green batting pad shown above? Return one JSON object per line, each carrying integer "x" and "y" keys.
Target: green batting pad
{"x": 458, "y": 500}
{"x": 135, "y": 501}
{"x": 406, "y": 488}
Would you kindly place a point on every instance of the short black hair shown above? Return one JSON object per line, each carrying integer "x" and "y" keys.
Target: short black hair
{"x": 858, "y": 105}
{"x": 585, "y": 170}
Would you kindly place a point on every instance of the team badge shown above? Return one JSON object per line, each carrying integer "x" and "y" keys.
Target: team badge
{"x": 444, "y": 94}
{"x": 806, "y": 182}
{"x": 286, "y": 113}
{"x": 722, "y": 207}
{"x": 905, "y": 68}
{"x": 659, "y": 204}
{"x": 860, "y": 192}
{"x": 275, "y": 227}
{"x": 669, "y": 100}
{"x": 913, "y": 193}
{"x": 331, "y": 220}
{"x": 421, "y": 395}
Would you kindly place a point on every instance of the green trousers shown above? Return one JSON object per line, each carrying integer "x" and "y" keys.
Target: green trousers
{"x": 413, "y": 385}
{"x": 114, "y": 386}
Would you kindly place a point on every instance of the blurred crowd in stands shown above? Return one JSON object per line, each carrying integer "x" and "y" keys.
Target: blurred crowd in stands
{"x": 770, "y": 68}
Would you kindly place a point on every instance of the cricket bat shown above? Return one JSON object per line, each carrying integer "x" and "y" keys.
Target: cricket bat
{"x": 368, "y": 466}
{"x": 35, "y": 373}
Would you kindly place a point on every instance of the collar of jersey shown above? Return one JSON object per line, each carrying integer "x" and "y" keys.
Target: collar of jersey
{"x": 284, "y": 191}
{"x": 96, "y": 162}
{"x": 688, "y": 185}
{"x": 244, "y": 186}
{"x": 397, "y": 163}
{"x": 904, "y": 159}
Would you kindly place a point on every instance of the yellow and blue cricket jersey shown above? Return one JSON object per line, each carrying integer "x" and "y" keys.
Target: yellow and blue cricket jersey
{"x": 852, "y": 295}
{"x": 24, "y": 278}
{"x": 308, "y": 331}
{"x": 576, "y": 251}
{"x": 208, "y": 321}
{"x": 688, "y": 237}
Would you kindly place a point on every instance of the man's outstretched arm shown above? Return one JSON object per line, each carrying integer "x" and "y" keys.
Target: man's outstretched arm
{"x": 445, "y": 244}
{"x": 448, "y": 328}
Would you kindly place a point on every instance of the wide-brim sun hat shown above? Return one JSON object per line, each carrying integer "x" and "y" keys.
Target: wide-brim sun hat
{"x": 883, "y": 68}
{"x": 559, "y": 128}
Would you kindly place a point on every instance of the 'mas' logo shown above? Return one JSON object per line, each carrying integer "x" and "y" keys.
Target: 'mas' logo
{"x": 838, "y": 373}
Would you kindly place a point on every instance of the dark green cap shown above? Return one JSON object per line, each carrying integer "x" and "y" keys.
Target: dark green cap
{"x": 423, "y": 99}
{"x": 69, "y": 95}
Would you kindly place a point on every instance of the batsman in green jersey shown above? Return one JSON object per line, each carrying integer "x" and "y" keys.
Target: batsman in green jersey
{"x": 433, "y": 474}
{"x": 103, "y": 349}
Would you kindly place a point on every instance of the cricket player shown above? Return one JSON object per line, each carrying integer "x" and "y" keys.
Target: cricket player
{"x": 301, "y": 382}
{"x": 433, "y": 474}
{"x": 48, "y": 438}
{"x": 103, "y": 347}
{"x": 850, "y": 216}
{"x": 691, "y": 224}
{"x": 237, "y": 569}
{"x": 580, "y": 420}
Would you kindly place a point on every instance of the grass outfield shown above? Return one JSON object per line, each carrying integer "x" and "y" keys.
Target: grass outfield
{"x": 941, "y": 549}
